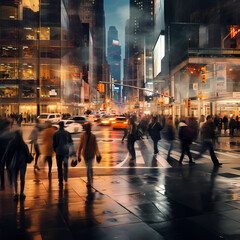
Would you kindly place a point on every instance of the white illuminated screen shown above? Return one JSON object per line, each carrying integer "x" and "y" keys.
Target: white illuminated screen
{"x": 158, "y": 54}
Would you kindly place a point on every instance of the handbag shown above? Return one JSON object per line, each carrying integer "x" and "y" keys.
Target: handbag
{"x": 30, "y": 156}
{"x": 99, "y": 158}
{"x": 74, "y": 163}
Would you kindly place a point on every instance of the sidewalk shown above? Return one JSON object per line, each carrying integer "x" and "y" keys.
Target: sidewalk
{"x": 197, "y": 202}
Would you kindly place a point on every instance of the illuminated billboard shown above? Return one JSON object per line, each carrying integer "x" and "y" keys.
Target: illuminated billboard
{"x": 158, "y": 54}
{"x": 115, "y": 42}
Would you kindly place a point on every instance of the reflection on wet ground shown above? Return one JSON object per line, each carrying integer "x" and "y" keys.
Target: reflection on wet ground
{"x": 177, "y": 203}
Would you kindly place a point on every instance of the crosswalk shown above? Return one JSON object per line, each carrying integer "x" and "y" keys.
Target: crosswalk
{"x": 143, "y": 155}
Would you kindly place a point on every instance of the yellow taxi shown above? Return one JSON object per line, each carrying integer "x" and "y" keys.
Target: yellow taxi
{"x": 119, "y": 123}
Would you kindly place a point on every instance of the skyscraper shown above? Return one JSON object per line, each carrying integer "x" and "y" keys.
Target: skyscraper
{"x": 114, "y": 59}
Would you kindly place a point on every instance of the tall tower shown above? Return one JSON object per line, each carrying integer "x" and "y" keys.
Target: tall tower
{"x": 114, "y": 59}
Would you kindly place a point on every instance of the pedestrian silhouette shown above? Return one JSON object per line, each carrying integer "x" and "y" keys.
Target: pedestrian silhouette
{"x": 62, "y": 142}
{"x": 88, "y": 148}
{"x": 16, "y": 157}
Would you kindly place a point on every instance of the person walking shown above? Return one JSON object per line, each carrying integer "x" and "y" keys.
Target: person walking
{"x": 34, "y": 136}
{"x": 186, "y": 135}
{"x": 48, "y": 145}
{"x": 16, "y": 157}
{"x": 131, "y": 138}
{"x": 154, "y": 131}
{"x": 176, "y": 122}
{"x": 88, "y": 148}
{"x": 231, "y": 126}
{"x": 170, "y": 135}
{"x": 208, "y": 136}
{"x": 62, "y": 141}
{"x": 225, "y": 123}
{"x": 5, "y": 137}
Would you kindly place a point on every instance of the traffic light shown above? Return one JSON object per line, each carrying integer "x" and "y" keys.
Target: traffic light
{"x": 203, "y": 74}
{"x": 188, "y": 103}
{"x": 100, "y": 88}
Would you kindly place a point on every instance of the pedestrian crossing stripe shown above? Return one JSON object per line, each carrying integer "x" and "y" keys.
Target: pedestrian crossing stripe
{"x": 139, "y": 157}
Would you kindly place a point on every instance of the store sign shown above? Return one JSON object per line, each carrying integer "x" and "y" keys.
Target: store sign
{"x": 53, "y": 92}
{"x": 195, "y": 86}
{"x": 166, "y": 100}
{"x": 221, "y": 77}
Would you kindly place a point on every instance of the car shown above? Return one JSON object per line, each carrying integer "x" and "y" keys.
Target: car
{"x": 49, "y": 117}
{"x": 119, "y": 123}
{"x": 70, "y": 126}
{"x": 80, "y": 119}
{"x": 105, "y": 120}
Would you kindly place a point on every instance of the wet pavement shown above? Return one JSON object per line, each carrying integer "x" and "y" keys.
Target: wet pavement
{"x": 156, "y": 199}
{"x": 198, "y": 202}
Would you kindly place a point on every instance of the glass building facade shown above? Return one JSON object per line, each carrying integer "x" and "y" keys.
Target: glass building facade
{"x": 38, "y": 70}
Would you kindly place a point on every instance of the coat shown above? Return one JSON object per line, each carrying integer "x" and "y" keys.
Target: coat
{"x": 154, "y": 131}
{"x": 48, "y": 141}
{"x": 90, "y": 149}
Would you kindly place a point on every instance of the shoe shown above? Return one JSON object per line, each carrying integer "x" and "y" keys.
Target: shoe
{"x": 218, "y": 164}
{"x": 192, "y": 162}
{"x": 36, "y": 167}
{"x": 180, "y": 164}
{"x": 15, "y": 197}
{"x": 22, "y": 196}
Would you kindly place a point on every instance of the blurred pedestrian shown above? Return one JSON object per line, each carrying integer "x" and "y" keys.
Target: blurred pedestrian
{"x": 48, "y": 133}
{"x": 170, "y": 135}
{"x": 186, "y": 135}
{"x": 208, "y": 136}
{"x": 33, "y": 137}
{"x": 16, "y": 157}
{"x": 144, "y": 126}
{"x": 176, "y": 122}
{"x": 88, "y": 148}
{"x": 225, "y": 123}
{"x": 5, "y": 137}
{"x": 192, "y": 123}
{"x": 62, "y": 141}
{"x": 131, "y": 138}
{"x": 154, "y": 131}
{"x": 232, "y": 126}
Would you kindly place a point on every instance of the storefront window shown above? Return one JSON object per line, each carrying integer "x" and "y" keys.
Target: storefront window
{"x": 8, "y": 51}
{"x": 8, "y": 91}
{"x": 49, "y": 80}
{"x": 29, "y": 51}
{"x": 9, "y": 71}
{"x": 50, "y": 52}
{"x": 28, "y": 71}
{"x": 28, "y": 89}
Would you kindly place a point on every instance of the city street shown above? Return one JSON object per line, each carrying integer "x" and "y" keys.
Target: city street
{"x": 153, "y": 200}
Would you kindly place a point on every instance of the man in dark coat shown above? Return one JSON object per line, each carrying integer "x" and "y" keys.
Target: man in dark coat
{"x": 154, "y": 131}
{"x": 62, "y": 141}
{"x": 5, "y": 137}
{"x": 208, "y": 136}
{"x": 186, "y": 135}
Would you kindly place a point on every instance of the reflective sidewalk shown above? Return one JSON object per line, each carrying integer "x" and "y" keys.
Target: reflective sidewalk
{"x": 199, "y": 202}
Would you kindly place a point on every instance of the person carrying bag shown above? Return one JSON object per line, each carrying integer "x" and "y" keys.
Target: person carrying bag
{"x": 88, "y": 148}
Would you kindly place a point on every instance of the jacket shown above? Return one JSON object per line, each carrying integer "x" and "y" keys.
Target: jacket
{"x": 154, "y": 130}
{"x": 185, "y": 133}
{"x": 207, "y": 131}
{"x": 61, "y": 142}
{"x": 48, "y": 141}
{"x": 90, "y": 149}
